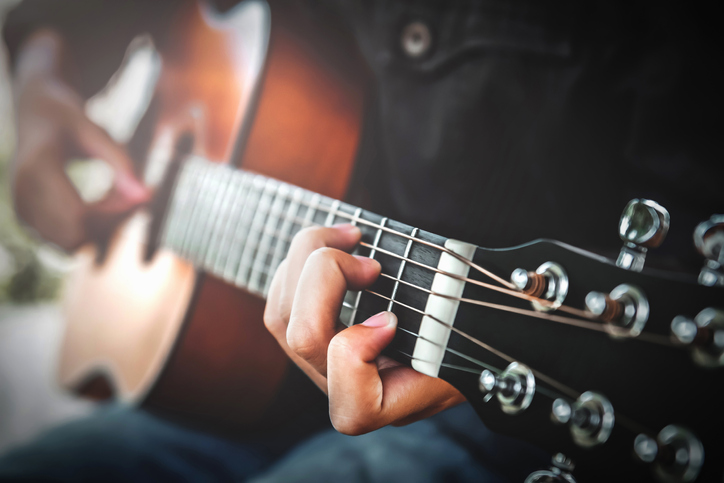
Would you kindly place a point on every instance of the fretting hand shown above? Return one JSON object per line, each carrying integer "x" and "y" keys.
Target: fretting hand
{"x": 366, "y": 390}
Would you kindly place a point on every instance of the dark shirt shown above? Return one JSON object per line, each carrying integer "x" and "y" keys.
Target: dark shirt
{"x": 521, "y": 120}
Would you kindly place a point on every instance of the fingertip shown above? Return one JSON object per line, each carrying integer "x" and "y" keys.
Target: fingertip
{"x": 131, "y": 189}
{"x": 369, "y": 262}
{"x": 383, "y": 319}
{"x": 349, "y": 230}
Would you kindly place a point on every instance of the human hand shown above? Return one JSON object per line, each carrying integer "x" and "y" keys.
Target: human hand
{"x": 52, "y": 129}
{"x": 366, "y": 390}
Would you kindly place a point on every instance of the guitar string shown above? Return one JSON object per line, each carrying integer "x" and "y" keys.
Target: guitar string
{"x": 648, "y": 337}
{"x": 462, "y": 355}
{"x": 626, "y": 422}
{"x": 643, "y": 336}
{"x": 508, "y": 288}
{"x": 538, "y": 374}
{"x": 348, "y": 216}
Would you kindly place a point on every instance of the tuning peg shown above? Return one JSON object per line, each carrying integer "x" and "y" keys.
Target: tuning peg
{"x": 676, "y": 454}
{"x": 549, "y": 282}
{"x": 625, "y": 309}
{"x": 643, "y": 225}
{"x": 590, "y": 418}
{"x": 704, "y": 335}
{"x": 514, "y": 387}
{"x": 559, "y": 472}
{"x": 709, "y": 240}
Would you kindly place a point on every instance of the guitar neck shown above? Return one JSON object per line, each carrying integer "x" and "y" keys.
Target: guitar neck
{"x": 238, "y": 226}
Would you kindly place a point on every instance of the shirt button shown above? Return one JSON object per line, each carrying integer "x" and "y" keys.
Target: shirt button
{"x": 416, "y": 39}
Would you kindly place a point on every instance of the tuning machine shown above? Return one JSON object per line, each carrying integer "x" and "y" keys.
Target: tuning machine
{"x": 514, "y": 387}
{"x": 676, "y": 454}
{"x": 704, "y": 334}
{"x": 548, "y": 282}
{"x": 590, "y": 418}
{"x": 625, "y": 309}
{"x": 559, "y": 472}
{"x": 709, "y": 240}
{"x": 643, "y": 225}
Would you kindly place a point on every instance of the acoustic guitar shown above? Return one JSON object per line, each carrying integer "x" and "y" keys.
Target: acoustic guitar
{"x": 611, "y": 367}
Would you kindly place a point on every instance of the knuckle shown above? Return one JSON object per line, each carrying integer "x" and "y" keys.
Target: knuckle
{"x": 340, "y": 349}
{"x": 273, "y": 322}
{"x": 302, "y": 341}
{"x": 308, "y": 237}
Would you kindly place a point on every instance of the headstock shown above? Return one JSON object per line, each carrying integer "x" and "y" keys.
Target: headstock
{"x": 614, "y": 366}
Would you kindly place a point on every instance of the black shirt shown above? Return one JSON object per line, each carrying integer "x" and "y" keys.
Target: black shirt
{"x": 519, "y": 119}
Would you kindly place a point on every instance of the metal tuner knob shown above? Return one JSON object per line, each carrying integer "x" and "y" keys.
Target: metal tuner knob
{"x": 590, "y": 418}
{"x": 676, "y": 455}
{"x": 704, "y": 335}
{"x": 559, "y": 472}
{"x": 709, "y": 240}
{"x": 549, "y": 282}
{"x": 643, "y": 225}
{"x": 625, "y": 309}
{"x": 514, "y": 387}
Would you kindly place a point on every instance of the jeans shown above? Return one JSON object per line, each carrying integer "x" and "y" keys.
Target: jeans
{"x": 123, "y": 444}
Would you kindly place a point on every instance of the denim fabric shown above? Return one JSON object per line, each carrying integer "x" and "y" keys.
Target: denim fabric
{"x": 123, "y": 444}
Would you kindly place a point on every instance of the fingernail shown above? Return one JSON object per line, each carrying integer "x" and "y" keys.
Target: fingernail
{"x": 348, "y": 228}
{"x": 383, "y": 319}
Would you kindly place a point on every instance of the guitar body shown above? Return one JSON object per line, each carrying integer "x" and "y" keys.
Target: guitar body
{"x": 153, "y": 330}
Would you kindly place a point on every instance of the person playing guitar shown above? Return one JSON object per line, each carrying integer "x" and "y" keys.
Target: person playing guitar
{"x": 490, "y": 122}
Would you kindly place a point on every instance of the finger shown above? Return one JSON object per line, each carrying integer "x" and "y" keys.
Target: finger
{"x": 277, "y": 325}
{"x": 363, "y": 398}
{"x": 344, "y": 237}
{"x": 127, "y": 192}
{"x": 326, "y": 277}
{"x": 45, "y": 199}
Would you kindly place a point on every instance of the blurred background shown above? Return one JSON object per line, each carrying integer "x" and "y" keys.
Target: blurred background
{"x": 30, "y": 319}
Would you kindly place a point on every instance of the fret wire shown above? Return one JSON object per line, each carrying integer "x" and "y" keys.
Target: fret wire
{"x": 219, "y": 228}
{"x": 355, "y": 219}
{"x": 285, "y": 232}
{"x": 401, "y": 270}
{"x": 253, "y": 236}
{"x": 208, "y": 226}
{"x": 205, "y": 200}
{"x": 196, "y": 209}
{"x": 329, "y": 221}
{"x": 267, "y": 238}
{"x": 464, "y": 260}
{"x": 238, "y": 202}
{"x": 241, "y": 230}
{"x": 375, "y": 243}
{"x": 312, "y": 209}
{"x": 376, "y": 248}
{"x": 178, "y": 204}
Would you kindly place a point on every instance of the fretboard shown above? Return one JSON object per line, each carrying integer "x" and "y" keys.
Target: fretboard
{"x": 239, "y": 225}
